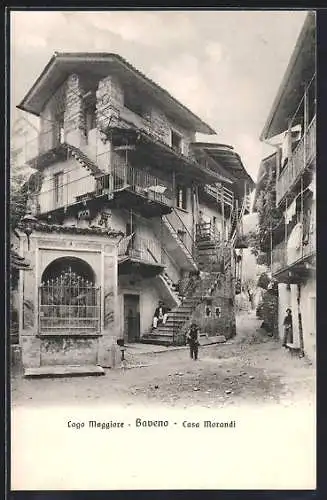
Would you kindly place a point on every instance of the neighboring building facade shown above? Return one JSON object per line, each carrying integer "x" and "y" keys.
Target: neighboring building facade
{"x": 126, "y": 210}
{"x": 24, "y": 145}
{"x": 293, "y": 257}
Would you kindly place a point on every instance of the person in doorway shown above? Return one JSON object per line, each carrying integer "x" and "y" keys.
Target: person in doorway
{"x": 160, "y": 314}
{"x": 193, "y": 339}
{"x": 288, "y": 328}
{"x": 251, "y": 298}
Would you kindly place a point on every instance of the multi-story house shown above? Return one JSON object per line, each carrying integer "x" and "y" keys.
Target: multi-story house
{"x": 292, "y": 125}
{"x": 125, "y": 211}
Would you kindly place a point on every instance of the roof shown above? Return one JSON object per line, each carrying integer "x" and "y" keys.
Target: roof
{"x": 57, "y": 228}
{"x": 61, "y": 65}
{"x": 50, "y": 156}
{"x": 299, "y": 72}
{"x": 227, "y": 158}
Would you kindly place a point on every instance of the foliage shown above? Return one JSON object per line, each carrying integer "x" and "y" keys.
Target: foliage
{"x": 18, "y": 198}
{"x": 269, "y": 311}
{"x": 263, "y": 281}
{"x": 23, "y": 183}
{"x": 268, "y": 215}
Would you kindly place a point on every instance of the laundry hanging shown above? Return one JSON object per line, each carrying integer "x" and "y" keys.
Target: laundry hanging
{"x": 312, "y": 186}
{"x": 290, "y": 136}
{"x": 286, "y": 145}
{"x": 290, "y": 212}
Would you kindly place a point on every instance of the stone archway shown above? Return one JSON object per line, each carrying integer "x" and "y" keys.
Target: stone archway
{"x": 69, "y": 300}
{"x": 62, "y": 264}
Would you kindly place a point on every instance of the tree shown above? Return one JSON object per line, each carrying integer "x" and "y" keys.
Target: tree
{"x": 18, "y": 195}
{"x": 23, "y": 183}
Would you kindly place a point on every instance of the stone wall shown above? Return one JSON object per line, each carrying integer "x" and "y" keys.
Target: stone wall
{"x": 74, "y": 119}
{"x": 110, "y": 99}
{"x": 215, "y": 314}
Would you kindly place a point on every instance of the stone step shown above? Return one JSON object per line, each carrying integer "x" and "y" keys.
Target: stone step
{"x": 177, "y": 314}
{"x": 165, "y": 329}
{"x": 63, "y": 371}
{"x": 175, "y": 322}
{"x": 159, "y": 341}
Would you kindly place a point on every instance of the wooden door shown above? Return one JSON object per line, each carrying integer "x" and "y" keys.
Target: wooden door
{"x": 131, "y": 318}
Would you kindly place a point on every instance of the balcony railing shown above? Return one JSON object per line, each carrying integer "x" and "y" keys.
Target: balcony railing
{"x": 301, "y": 157}
{"x": 122, "y": 176}
{"x": 142, "y": 249}
{"x": 125, "y": 176}
{"x": 284, "y": 256}
{"x": 220, "y": 194}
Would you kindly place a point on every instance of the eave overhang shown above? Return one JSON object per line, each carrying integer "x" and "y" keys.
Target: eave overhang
{"x": 61, "y": 65}
{"x": 226, "y": 158}
{"x": 299, "y": 72}
{"x": 164, "y": 156}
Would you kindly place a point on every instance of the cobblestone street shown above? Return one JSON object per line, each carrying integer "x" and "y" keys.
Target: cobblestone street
{"x": 250, "y": 369}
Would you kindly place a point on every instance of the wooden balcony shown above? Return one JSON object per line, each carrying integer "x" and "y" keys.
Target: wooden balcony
{"x": 220, "y": 194}
{"x": 125, "y": 186}
{"x": 142, "y": 254}
{"x": 302, "y": 157}
{"x": 290, "y": 264}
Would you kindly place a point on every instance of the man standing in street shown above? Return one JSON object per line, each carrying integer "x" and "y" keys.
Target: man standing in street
{"x": 288, "y": 328}
{"x": 193, "y": 339}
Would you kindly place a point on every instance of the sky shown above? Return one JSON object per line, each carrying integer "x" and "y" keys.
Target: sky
{"x": 226, "y": 66}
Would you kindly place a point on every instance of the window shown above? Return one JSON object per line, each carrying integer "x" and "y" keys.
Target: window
{"x": 181, "y": 197}
{"x": 58, "y": 188}
{"x": 176, "y": 141}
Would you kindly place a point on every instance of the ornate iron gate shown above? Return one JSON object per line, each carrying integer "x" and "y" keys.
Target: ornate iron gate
{"x": 69, "y": 303}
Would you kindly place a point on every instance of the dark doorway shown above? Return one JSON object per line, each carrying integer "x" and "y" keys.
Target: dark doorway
{"x": 131, "y": 318}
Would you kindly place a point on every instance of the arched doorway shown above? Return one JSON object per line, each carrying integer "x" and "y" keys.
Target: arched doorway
{"x": 69, "y": 300}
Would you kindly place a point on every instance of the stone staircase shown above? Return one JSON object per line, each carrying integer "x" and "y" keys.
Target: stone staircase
{"x": 171, "y": 289}
{"x": 177, "y": 317}
{"x": 171, "y": 332}
{"x": 213, "y": 261}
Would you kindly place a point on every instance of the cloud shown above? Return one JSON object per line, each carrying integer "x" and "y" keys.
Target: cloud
{"x": 214, "y": 62}
{"x": 33, "y": 29}
{"x": 146, "y": 28}
{"x": 214, "y": 51}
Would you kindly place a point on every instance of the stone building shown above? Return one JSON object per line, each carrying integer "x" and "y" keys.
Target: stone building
{"x": 127, "y": 209}
{"x": 291, "y": 125}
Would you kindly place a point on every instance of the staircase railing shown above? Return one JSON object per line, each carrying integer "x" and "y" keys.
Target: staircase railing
{"x": 178, "y": 227}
